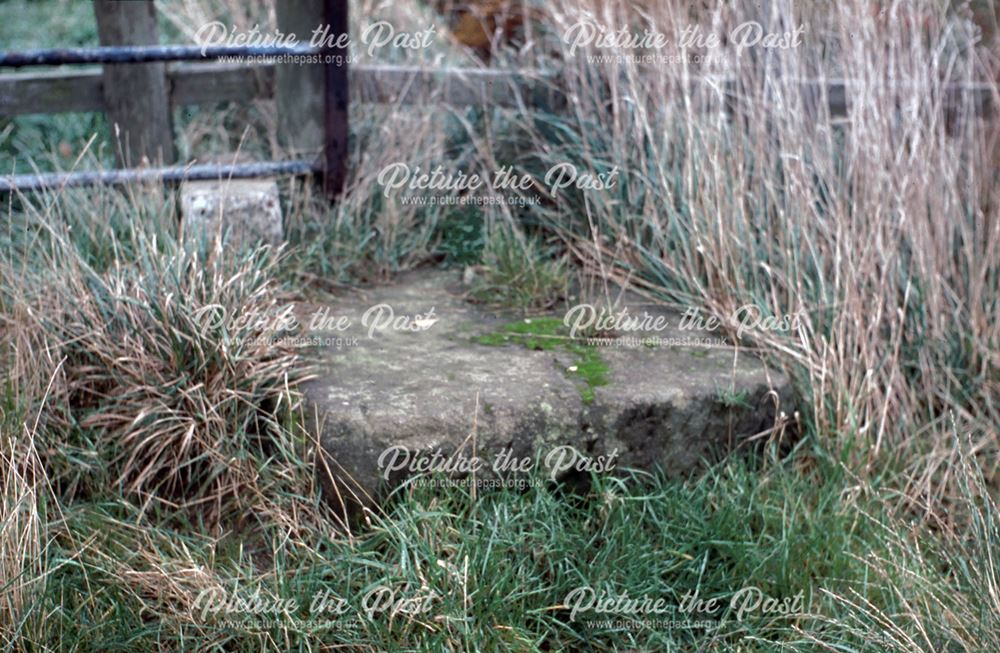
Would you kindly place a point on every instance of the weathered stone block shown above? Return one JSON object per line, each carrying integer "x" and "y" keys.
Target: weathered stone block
{"x": 244, "y": 211}
{"x": 451, "y": 385}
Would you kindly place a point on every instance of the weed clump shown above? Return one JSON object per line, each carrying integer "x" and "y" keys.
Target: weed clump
{"x": 161, "y": 375}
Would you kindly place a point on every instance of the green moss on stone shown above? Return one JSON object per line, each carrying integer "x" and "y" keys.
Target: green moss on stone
{"x": 547, "y": 334}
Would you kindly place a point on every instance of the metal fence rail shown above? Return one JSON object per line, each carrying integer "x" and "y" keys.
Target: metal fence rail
{"x": 143, "y": 54}
{"x": 170, "y": 174}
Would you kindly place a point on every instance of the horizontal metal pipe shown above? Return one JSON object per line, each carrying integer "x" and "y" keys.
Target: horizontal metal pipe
{"x": 143, "y": 54}
{"x": 27, "y": 183}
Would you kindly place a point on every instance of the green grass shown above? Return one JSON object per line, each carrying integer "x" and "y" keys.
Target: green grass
{"x": 518, "y": 272}
{"x": 48, "y": 141}
{"x": 731, "y": 398}
{"x": 494, "y": 571}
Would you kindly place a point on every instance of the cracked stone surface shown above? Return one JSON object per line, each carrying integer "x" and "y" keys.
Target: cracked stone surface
{"x": 438, "y": 390}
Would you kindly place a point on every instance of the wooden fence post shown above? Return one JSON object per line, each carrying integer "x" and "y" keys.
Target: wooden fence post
{"x": 298, "y": 89}
{"x": 313, "y": 98}
{"x": 135, "y": 95}
{"x": 336, "y": 122}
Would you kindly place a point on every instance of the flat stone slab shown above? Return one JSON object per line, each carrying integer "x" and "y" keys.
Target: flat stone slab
{"x": 424, "y": 393}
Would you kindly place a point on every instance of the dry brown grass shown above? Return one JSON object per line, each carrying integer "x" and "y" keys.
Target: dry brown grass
{"x": 882, "y": 227}
{"x": 23, "y": 494}
{"x": 162, "y": 371}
